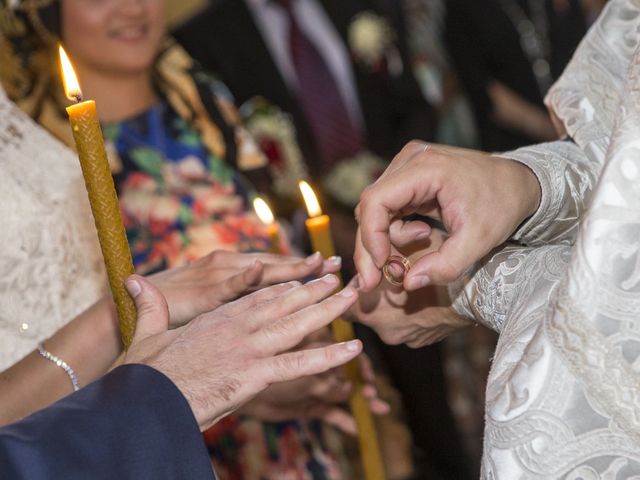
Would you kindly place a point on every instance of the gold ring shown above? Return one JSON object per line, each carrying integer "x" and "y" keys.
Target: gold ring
{"x": 400, "y": 261}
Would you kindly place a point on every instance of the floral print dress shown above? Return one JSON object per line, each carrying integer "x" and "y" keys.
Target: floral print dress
{"x": 180, "y": 202}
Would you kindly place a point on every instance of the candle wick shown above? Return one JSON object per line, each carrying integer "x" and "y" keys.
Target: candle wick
{"x": 78, "y": 97}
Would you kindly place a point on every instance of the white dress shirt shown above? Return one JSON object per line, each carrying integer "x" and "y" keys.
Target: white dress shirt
{"x": 273, "y": 24}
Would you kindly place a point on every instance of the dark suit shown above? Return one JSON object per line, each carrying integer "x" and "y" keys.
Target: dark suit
{"x": 225, "y": 40}
{"x": 131, "y": 424}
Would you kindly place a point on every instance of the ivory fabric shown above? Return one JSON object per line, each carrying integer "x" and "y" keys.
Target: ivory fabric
{"x": 50, "y": 263}
{"x": 563, "y": 396}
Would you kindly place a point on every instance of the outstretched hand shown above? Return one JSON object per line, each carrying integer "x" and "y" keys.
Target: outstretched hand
{"x": 480, "y": 199}
{"x": 223, "y": 276}
{"x": 225, "y": 357}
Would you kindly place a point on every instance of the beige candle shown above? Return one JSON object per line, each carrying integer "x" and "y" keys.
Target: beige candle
{"x": 319, "y": 228}
{"x": 102, "y": 197}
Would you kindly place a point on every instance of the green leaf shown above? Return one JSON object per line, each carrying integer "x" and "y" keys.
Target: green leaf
{"x": 148, "y": 160}
{"x": 185, "y": 216}
{"x": 220, "y": 169}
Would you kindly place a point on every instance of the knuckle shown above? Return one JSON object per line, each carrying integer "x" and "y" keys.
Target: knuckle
{"x": 292, "y": 362}
{"x": 365, "y": 197}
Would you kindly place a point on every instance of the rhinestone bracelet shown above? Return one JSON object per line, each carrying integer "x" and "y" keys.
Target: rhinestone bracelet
{"x": 62, "y": 364}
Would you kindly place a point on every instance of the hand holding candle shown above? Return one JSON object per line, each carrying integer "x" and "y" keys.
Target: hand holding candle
{"x": 102, "y": 197}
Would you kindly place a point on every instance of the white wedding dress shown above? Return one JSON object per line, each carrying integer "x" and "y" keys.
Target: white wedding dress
{"x": 50, "y": 263}
{"x": 563, "y": 396}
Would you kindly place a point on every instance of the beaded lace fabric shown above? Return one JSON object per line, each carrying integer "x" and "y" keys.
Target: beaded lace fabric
{"x": 50, "y": 263}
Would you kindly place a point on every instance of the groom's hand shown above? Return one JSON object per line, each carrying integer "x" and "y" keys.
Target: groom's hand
{"x": 223, "y": 358}
{"x": 480, "y": 199}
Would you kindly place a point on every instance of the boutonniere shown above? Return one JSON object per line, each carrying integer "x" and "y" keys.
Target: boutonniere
{"x": 274, "y": 133}
{"x": 371, "y": 39}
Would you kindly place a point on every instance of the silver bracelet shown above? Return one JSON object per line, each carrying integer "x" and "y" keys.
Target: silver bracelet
{"x": 62, "y": 364}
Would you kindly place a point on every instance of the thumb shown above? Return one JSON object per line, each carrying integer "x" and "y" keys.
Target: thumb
{"x": 456, "y": 255}
{"x": 153, "y": 312}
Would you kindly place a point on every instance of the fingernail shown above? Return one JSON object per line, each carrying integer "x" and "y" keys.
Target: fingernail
{"x": 355, "y": 282}
{"x": 335, "y": 260}
{"x": 311, "y": 259}
{"x": 133, "y": 287}
{"x": 419, "y": 281}
{"x": 330, "y": 279}
{"x": 347, "y": 292}
{"x": 352, "y": 346}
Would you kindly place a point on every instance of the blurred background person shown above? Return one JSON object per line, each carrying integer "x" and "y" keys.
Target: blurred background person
{"x": 507, "y": 54}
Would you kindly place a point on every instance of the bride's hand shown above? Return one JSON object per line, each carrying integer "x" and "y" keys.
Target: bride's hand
{"x": 223, "y": 276}
{"x": 480, "y": 199}
{"x": 415, "y": 318}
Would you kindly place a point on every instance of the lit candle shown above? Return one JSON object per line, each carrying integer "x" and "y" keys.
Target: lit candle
{"x": 102, "y": 197}
{"x": 319, "y": 228}
{"x": 266, "y": 216}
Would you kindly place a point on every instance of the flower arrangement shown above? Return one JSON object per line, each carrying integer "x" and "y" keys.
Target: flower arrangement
{"x": 346, "y": 181}
{"x": 274, "y": 133}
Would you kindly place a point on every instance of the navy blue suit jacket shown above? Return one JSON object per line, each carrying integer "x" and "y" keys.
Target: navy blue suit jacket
{"x": 132, "y": 423}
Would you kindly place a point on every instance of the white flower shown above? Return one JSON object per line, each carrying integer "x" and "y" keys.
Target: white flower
{"x": 346, "y": 181}
{"x": 370, "y": 36}
{"x": 268, "y": 123}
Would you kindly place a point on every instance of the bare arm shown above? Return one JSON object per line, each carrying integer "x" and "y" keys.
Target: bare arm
{"x": 90, "y": 344}
{"x": 512, "y": 111}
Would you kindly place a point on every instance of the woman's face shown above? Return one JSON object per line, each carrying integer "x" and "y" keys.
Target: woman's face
{"x": 113, "y": 36}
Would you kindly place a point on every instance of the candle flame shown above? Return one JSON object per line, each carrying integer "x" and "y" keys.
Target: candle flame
{"x": 69, "y": 77}
{"x": 263, "y": 211}
{"x": 310, "y": 199}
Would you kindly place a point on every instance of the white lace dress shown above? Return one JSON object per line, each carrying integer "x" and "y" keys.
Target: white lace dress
{"x": 563, "y": 397}
{"x": 50, "y": 263}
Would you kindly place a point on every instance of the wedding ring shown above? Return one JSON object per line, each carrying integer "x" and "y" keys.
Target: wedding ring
{"x": 391, "y": 269}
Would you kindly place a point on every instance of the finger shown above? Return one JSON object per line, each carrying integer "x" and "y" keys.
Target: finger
{"x": 455, "y": 256}
{"x": 311, "y": 266}
{"x": 366, "y": 369}
{"x": 331, "y": 390}
{"x": 239, "y": 283}
{"x": 293, "y": 365}
{"x": 403, "y": 233}
{"x": 289, "y": 331}
{"x": 273, "y": 311}
{"x": 153, "y": 313}
{"x": 331, "y": 265}
{"x": 379, "y": 407}
{"x": 369, "y": 274}
{"x": 223, "y": 259}
{"x": 341, "y": 419}
{"x": 403, "y": 192}
{"x": 261, "y": 296}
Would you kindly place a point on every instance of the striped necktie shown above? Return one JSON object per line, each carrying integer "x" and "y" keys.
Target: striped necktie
{"x": 335, "y": 135}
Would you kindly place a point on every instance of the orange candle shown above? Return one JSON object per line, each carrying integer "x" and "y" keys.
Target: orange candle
{"x": 266, "y": 216}
{"x": 102, "y": 197}
{"x": 319, "y": 228}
